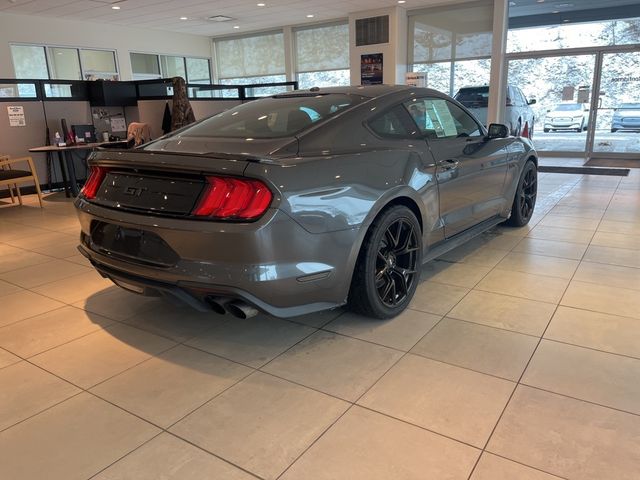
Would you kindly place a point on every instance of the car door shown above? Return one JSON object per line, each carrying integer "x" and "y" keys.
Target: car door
{"x": 396, "y": 130}
{"x": 470, "y": 170}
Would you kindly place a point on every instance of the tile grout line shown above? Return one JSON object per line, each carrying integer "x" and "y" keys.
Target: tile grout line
{"x": 540, "y": 341}
{"x": 508, "y": 402}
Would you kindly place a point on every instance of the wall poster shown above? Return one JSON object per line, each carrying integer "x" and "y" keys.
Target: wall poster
{"x": 371, "y": 69}
{"x": 16, "y": 116}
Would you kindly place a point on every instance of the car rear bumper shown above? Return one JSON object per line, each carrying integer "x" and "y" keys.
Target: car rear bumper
{"x": 273, "y": 264}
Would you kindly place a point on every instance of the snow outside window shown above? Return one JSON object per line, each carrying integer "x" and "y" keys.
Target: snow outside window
{"x": 591, "y": 34}
{"x": 322, "y": 55}
{"x": 452, "y": 44}
{"x": 256, "y": 56}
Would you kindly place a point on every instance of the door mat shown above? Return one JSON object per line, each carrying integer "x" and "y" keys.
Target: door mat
{"x": 614, "y": 162}
{"x": 619, "y": 172}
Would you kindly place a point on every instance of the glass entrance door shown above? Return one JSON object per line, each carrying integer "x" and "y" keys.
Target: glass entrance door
{"x": 561, "y": 86}
{"x": 617, "y": 129}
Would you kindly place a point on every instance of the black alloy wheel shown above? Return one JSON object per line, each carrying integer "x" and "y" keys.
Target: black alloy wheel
{"x": 525, "y": 199}
{"x": 388, "y": 268}
{"x": 396, "y": 267}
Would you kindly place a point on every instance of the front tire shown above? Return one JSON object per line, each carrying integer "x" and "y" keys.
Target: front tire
{"x": 388, "y": 267}
{"x": 524, "y": 201}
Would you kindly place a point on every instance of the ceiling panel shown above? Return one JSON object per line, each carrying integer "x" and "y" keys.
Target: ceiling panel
{"x": 165, "y": 14}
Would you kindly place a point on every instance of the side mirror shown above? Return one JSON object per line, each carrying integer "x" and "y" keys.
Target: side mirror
{"x": 532, "y": 101}
{"x": 497, "y": 130}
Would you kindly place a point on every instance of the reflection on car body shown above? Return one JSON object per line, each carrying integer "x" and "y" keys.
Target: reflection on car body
{"x": 519, "y": 116}
{"x": 304, "y": 201}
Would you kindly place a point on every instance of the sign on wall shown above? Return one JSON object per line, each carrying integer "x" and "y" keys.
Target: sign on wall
{"x": 371, "y": 69}
{"x": 415, "y": 79}
{"x": 16, "y": 116}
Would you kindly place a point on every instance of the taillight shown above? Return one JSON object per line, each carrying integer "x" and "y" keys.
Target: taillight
{"x": 227, "y": 197}
{"x": 91, "y": 186}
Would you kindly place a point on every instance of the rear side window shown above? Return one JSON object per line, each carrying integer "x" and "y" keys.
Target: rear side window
{"x": 278, "y": 116}
{"x": 390, "y": 124}
{"x": 473, "y": 97}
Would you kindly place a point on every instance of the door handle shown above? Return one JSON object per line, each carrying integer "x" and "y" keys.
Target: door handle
{"x": 448, "y": 164}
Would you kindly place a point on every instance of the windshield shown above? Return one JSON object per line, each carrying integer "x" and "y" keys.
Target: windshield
{"x": 473, "y": 97}
{"x": 273, "y": 117}
{"x": 568, "y": 107}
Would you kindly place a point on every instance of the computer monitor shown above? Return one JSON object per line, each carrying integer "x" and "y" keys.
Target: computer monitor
{"x": 86, "y": 133}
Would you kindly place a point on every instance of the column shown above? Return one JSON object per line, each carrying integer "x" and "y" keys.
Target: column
{"x": 498, "y": 77}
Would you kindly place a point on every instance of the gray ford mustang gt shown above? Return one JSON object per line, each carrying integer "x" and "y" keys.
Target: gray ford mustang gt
{"x": 304, "y": 201}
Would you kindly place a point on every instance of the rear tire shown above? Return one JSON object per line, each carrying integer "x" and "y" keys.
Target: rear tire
{"x": 388, "y": 267}
{"x": 524, "y": 201}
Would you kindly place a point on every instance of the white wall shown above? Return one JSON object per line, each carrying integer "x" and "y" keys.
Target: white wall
{"x": 394, "y": 59}
{"x": 73, "y": 33}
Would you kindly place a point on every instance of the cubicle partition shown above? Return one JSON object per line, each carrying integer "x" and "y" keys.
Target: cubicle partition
{"x": 44, "y": 103}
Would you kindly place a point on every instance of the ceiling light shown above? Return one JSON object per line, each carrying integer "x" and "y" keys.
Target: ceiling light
{"x": 115, "y": 7}
{"x": 219, "y": 18}
{"x": 261, "y": 4}
{"x": 555, "y": 11}
{"x": 540, "y": 1}
{"x": 236, "y": 26}
{"x": 310, "y": 16}
{"x": 184, "y": 18}
{"x": 402, "y": 1}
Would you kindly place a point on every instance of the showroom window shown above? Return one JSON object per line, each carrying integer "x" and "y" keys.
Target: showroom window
{"x": 452, "y": 45}
{"x": 149, "y": 66}
{"x": 322, "y": 55}
{"x": 63, "y": 63}
{"x": 252, "y": 59}
{"x": 574, "y": 35}
{"x": 98, "y": 64}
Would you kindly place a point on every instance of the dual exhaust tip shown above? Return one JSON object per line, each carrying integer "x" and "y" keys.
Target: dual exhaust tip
{"x": 237, "y": 308}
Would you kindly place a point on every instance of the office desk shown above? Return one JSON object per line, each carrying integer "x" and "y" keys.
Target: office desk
{"x": 66, "y": 162}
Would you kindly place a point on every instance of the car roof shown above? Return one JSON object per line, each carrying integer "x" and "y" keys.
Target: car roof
{"x": 369, "y": 91}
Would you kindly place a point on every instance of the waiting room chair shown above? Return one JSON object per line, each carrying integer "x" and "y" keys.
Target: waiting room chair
{"x": 12, "y": 177}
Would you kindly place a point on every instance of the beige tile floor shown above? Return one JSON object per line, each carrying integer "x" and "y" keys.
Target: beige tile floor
{"x": 519, "y": 359}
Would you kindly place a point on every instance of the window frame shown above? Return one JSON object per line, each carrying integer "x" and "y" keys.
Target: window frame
{"x": 294, "y": 51}
{"x": 164, "y": 74}
{"x": 46, "y": 49}
{"x": 218, "y": 71}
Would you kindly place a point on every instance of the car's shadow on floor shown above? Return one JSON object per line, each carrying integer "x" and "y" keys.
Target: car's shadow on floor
{"x": 256, "y": 341}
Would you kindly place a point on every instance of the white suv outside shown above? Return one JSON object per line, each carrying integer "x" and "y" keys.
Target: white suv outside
{"x": 518, "y": 114}
{"x": 567, "y": 116}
